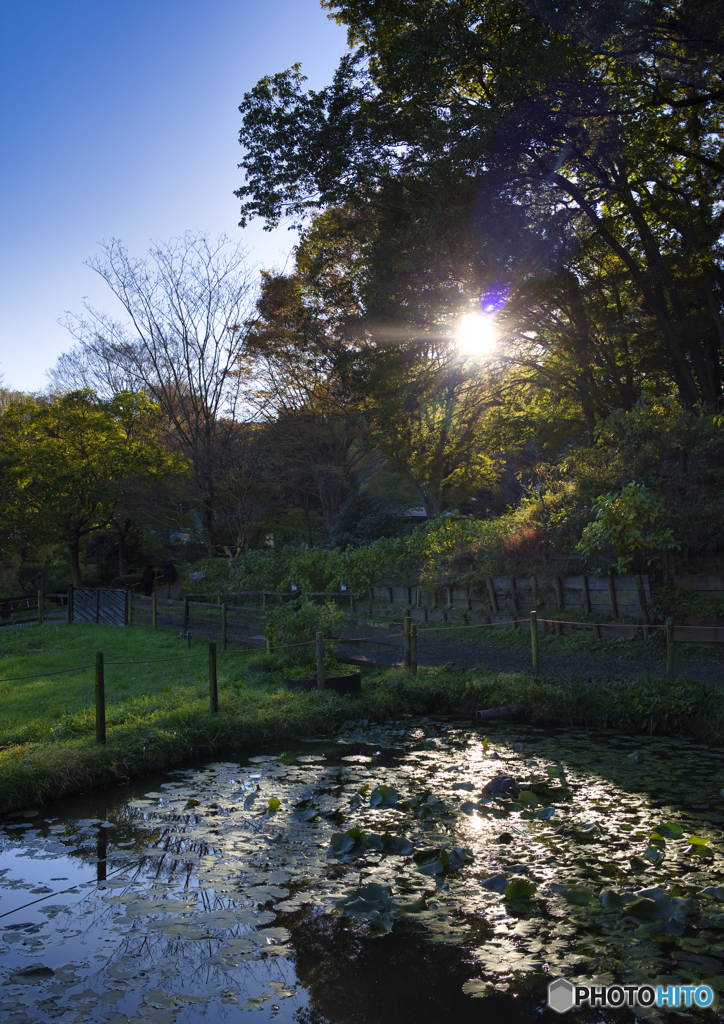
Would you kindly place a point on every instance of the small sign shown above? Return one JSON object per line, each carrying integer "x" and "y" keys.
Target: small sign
{"x": 198, "y": 575}
{"x": 342, "y": 586}
{"x": 294, "y": 586}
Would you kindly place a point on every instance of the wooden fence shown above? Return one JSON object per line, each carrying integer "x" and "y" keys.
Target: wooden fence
{"x": 610, "y": 596}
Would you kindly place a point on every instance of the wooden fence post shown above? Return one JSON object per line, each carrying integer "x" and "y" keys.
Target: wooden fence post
{"x": 670, "y": 647}
{"x": 612, "y": 596}
{"x": 408, "y": 640}
{"x": 223, "y": 626}
{"x": 70, "y": 603}
{"x": 320, "y": 660}
{"x": 514, "y": 600}
{"x": 154, "y": 610}
{"x": 413, "y": 648}
{"x": 213, "y": 685}
{"x": 491, "y": 594}
{"x": 586, "y": 595}
{"x": 185, "y": 620}
{"x": 100, "y": 700}
{"x": 642, "y": 605}
{"x": 534, "y": 641}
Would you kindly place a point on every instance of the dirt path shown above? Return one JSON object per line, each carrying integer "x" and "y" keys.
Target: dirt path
{"x": 441, "y": 649}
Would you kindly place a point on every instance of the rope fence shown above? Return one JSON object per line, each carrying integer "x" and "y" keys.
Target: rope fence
{"x": 409, "y": 633}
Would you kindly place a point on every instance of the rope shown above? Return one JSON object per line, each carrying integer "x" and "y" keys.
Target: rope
{"x": 41, "y": 675}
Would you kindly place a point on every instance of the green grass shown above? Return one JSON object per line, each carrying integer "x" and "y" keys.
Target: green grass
{"x": 158, "y": 715}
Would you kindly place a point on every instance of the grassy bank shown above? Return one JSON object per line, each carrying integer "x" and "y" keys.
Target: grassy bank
{"x": 158, "y": 714}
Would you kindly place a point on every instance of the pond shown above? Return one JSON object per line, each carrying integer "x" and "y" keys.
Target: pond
{"x": 369, "y": 877}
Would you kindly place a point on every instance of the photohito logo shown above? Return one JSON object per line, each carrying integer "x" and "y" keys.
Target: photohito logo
{"x": 564, "y": 995}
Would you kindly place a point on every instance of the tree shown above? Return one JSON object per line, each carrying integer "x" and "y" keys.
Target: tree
{"x": 587, "y": 125}
{"x": 189, "y": 305}
{"x": 313, "y": 423}
{"x": 65, "y": 465}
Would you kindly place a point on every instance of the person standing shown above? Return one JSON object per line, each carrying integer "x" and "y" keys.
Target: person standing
{"x": 147, "y": 580}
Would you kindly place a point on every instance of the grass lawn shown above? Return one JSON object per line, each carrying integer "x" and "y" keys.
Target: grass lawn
{"x": 158, "y": 714}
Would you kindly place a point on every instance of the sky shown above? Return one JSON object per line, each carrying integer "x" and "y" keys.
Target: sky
{"x": 120, "y": 120}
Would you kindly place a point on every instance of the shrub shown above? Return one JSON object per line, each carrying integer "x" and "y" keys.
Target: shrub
{"x": 296, "y": 624}
{"x": 631, "y": 527}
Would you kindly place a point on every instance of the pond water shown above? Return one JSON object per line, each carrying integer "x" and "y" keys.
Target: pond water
{"x": 367, "y": 877}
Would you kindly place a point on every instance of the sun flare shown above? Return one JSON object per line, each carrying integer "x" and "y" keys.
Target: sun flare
{"x": 477, "y": 334}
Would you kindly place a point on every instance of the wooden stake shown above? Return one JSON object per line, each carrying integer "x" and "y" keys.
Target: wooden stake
{"x": 100, "y": 700}
{"x": 320, "y": 660}
{"x": 213, "y": 684}
{"x": 670, "y": 671}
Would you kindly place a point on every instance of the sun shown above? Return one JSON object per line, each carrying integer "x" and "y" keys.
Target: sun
{"x": 476, "y": 334}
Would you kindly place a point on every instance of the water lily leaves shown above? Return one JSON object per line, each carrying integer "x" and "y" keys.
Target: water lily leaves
{"x": 698, "y": 847}
{"x": 372, "y": 902}
{"x": 495, "y": 883}
{"x": 357, "y": 799}
{"x": 667, "y": 830}
{"x": 305, "y": 810}
{"x": 714, "y": 892}
{"x": 576, "y": 895}
{"x": 347, "y": 845}
{"x": 384, "y": 796}
{"x": 439, "y": 861}
{"x": 519, "y": 888}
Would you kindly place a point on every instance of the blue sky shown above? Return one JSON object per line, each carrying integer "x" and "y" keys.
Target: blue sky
{"x": 119, "y": 119}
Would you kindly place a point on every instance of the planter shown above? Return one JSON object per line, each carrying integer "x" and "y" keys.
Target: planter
{"x": 350, "y": 684}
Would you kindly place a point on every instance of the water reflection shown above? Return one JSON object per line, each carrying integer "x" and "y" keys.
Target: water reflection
{"x": 187, "y": 897}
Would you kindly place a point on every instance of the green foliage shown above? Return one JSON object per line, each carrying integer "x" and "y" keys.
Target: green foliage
{"x": 216, "y": 580}
{"x": 293, "y": 626}
{"x": 631, "y": 527}
{"x": 65, "y": 465}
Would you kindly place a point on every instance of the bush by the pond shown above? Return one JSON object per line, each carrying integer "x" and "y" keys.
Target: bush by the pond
{"x": 290, "y": 627}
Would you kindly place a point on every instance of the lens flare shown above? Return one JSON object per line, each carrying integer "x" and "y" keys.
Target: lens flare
{"x": 477, "y": 334}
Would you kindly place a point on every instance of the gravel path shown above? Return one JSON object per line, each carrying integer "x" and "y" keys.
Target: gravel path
{"x": 441, "y": 649}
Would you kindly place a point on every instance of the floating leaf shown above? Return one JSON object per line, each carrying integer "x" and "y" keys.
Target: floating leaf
{"x": 519, "y": 888}
{"x": 384, "y": 796}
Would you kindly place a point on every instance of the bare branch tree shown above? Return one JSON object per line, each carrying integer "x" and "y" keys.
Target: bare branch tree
{"x": 189, "y": 303}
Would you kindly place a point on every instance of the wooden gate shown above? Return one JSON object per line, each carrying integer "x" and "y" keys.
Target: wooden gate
{"x": 100, "y": 605}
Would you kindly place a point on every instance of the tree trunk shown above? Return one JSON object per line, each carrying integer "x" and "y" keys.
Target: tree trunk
{"x": 75, "y": 564}
{"x": 121, "y": 553}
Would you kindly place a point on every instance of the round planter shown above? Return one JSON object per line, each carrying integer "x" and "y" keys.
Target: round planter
{"x": 350, "y": 684}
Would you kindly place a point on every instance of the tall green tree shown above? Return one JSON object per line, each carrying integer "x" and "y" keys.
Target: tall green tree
{"x": 66, "y": 464}
{"x": 448, "y": 119}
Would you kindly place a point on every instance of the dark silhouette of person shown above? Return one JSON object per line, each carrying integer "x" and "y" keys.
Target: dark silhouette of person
{"x": 169, "y": 576}
{"x": 147, "y": 579}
